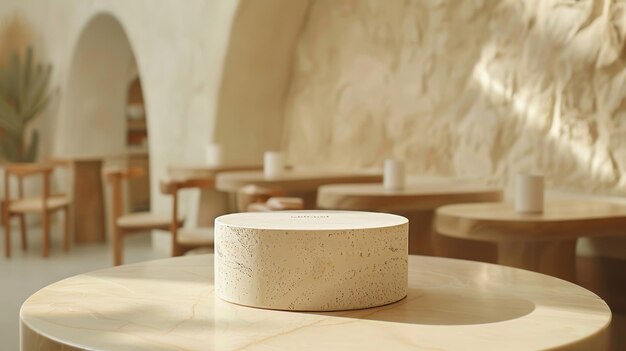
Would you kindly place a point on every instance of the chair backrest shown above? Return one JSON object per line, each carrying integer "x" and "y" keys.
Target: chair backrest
{"x": 171, "y": 186}
{"x": 116, "y": 176}
{"x": 250, "y": 194}
{"x": 24, "y": 170}
{"x": 67, "y": 173}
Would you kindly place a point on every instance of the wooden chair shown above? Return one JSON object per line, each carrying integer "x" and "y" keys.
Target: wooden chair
{"x": 45, "y": 204}
{"x": 186, "y": 239}
{"x": 131, "y": 223}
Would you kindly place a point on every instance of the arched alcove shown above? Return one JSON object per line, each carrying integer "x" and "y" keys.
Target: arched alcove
{"x": 102, "y": 106}
{"x": 256, "y": 77}
{"x": 93, "y": 121}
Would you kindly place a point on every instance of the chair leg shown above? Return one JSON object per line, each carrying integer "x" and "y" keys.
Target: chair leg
{"x": 66, "y": 229}
{"x": 176, "y": 250}
{"x": 7, "y": 234}
{"x": 118, "y": 249}
{"x": 23, "y": 232}
{"x": 45, "y": 226}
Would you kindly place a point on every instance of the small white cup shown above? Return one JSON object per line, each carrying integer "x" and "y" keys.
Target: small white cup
{"x": 528, "y": 193}
{"x": 394, "y": 177}
{"x": 214, "y": 155}
{"x": 273, "y": 164}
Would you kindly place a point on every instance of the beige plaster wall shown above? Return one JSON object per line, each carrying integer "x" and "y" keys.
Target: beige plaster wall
{"x": 211, "y": 71}
{"x": 471, "y": 88}
{"x": 93, "y": 119}
{"x": 179, "y": 52}
{"x": 256, "y": 77}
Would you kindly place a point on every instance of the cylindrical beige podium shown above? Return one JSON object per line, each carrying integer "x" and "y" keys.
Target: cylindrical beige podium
{"x": 311, "y": 260}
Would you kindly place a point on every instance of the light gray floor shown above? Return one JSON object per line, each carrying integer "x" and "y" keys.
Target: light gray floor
{"x": 26, "y": 272}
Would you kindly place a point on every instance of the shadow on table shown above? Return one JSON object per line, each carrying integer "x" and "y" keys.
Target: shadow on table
{"x": 430, "y": 308}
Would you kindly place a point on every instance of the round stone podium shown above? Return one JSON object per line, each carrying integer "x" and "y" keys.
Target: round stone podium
{"x": 311, "y": 260}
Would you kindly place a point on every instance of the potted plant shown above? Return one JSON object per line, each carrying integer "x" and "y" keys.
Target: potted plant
{"x": 23, "y": 95}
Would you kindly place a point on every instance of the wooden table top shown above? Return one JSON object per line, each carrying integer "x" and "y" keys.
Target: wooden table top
{"x": 452, "y": 304}
{"x": 100, "y": 157}
{"x": 415, "y": 196}
{"x": 293, "y": 180}
{"x": 561, "y": 219}
{"x": 207, "y": 171}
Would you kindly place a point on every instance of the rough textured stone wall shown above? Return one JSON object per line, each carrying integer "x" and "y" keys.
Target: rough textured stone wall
{"x": 471, "y": 88}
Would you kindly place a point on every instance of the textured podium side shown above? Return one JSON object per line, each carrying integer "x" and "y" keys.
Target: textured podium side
{"x": 311, "y": 260}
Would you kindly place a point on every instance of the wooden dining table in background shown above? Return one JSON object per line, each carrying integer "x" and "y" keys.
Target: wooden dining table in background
{"x": 89, "y": 222}
{"x": 416, "y": 201}
{"x": 88, "y": 215}
{"x": 295, "y": 182}
{"x": 542, "y": 242}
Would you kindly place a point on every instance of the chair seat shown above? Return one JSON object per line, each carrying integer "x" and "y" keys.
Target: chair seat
{"x": 147, "y": 220}
{"x": 285, "y": 203}
{"x": 199, "y": 251}
{"x": 195, "y": 236}
{"x": 258, "y": 207}
{"x": 35, "y": 204}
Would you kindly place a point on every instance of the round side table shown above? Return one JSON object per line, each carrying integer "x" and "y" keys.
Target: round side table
{"x": 543, "y": 242}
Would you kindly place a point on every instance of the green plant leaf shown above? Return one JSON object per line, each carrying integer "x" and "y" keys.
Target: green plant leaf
{"x": 9, "y": 119}
{"x": 23, "y": 95}
{"x": 28, "y": 115}
{"x": 17, "y": 83}
{"x": 23, "y": 80}
{"x": 10, "y": 149}
{"x": 4, "y": 86}
{"x": 28, "y": 66}
{"x": 31, "y": 150}
{"x": 36, "y": 95}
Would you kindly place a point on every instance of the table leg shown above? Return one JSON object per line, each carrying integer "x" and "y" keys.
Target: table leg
{"x": 309, "y": 198}
{"x": 555, "y": 258}
{"x": 420, "y": 232}
{"x": 88, "y": 203}
{"x": 482, "y": 251}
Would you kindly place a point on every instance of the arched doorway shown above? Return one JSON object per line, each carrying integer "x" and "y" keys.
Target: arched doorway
{"x": 95, "y": 97}
{"x": 102, "y": 118}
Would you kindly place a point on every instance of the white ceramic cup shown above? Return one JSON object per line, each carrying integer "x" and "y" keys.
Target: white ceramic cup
{"x": 214, "y": 155}
{"x": 529, "y": 193}
{"x": 273, "y": 163}
{"x": 394, "y": 177}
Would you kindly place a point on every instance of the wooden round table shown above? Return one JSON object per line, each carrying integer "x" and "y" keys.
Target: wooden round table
{"x": 417, "y": 201}
{"x": 451, "y": 304}
{"x": 544, "y": 242}
{"x": 297, "y": 182}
